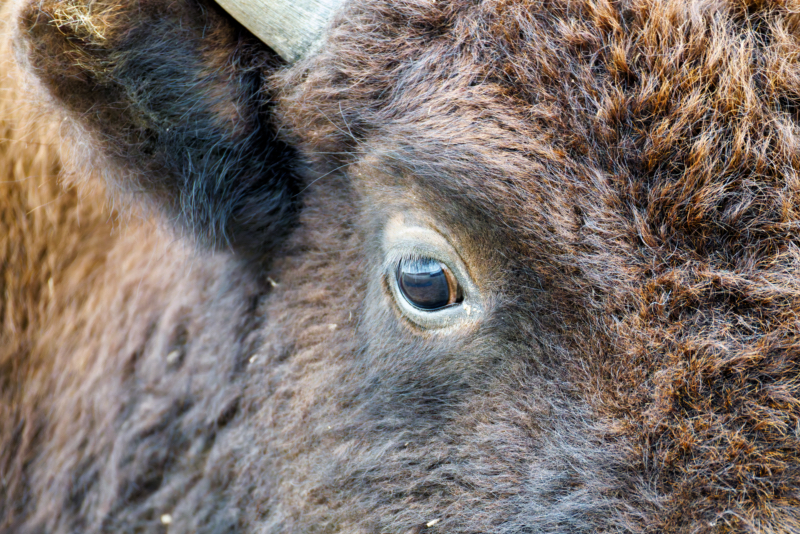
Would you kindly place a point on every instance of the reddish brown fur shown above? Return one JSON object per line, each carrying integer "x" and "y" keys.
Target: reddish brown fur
{"x": 621, "y": 178}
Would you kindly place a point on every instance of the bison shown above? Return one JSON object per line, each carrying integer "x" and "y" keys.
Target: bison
{"x": 460, "y": 266}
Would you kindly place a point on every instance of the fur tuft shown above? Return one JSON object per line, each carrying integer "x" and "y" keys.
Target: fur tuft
{"x": 175, "y": 98}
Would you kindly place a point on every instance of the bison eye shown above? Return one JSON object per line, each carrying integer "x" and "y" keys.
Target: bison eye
{"x": 427, "y": 284}
{"x": 427, "y": 279}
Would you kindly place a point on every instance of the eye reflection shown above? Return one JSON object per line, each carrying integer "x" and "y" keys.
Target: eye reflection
{"x": 427, "y": 284}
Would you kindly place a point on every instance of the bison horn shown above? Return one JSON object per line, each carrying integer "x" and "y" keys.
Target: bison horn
{"x": 292, "y": 28}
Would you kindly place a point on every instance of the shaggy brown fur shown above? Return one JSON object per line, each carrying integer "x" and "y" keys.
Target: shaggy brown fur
{"x": 620, "y": 178}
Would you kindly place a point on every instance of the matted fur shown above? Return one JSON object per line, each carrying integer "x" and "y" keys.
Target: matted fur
{"x": 621, "y": 179}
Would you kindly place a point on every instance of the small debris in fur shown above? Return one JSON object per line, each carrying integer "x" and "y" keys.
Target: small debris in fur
{"x": 173, "y": 357}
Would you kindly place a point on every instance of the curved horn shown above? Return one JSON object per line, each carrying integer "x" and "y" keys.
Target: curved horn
{"x": 290, "y": 27}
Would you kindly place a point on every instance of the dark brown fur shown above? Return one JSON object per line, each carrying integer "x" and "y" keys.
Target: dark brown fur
{"x": 620, "y": 177}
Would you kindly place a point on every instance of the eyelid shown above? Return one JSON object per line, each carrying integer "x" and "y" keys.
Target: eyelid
{"x": 412, "y": 249}
{"x": 413, "y": 241}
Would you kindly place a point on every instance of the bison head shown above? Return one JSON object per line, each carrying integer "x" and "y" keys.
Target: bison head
{"x": 461, "y": 266}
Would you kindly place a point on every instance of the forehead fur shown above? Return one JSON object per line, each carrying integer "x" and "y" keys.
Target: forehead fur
{"x": 678, "y": 115}
{"x": 641, "y": 160}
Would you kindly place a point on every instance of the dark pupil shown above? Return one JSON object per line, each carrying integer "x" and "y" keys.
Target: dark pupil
{"x": 423, "y": 283}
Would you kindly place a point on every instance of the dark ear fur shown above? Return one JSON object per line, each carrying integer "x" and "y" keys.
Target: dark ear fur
{"x": 175, "y": 95}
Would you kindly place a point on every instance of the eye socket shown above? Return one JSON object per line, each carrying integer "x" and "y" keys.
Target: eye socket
{"x": 427, "y": 279}
{"x": 427, "y": 284}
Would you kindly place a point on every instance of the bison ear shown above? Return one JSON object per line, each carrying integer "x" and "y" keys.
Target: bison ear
{"x": 175, "y": 96}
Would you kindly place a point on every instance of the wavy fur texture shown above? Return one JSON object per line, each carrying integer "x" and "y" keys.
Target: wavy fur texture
{"x": 621, "y": 178}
